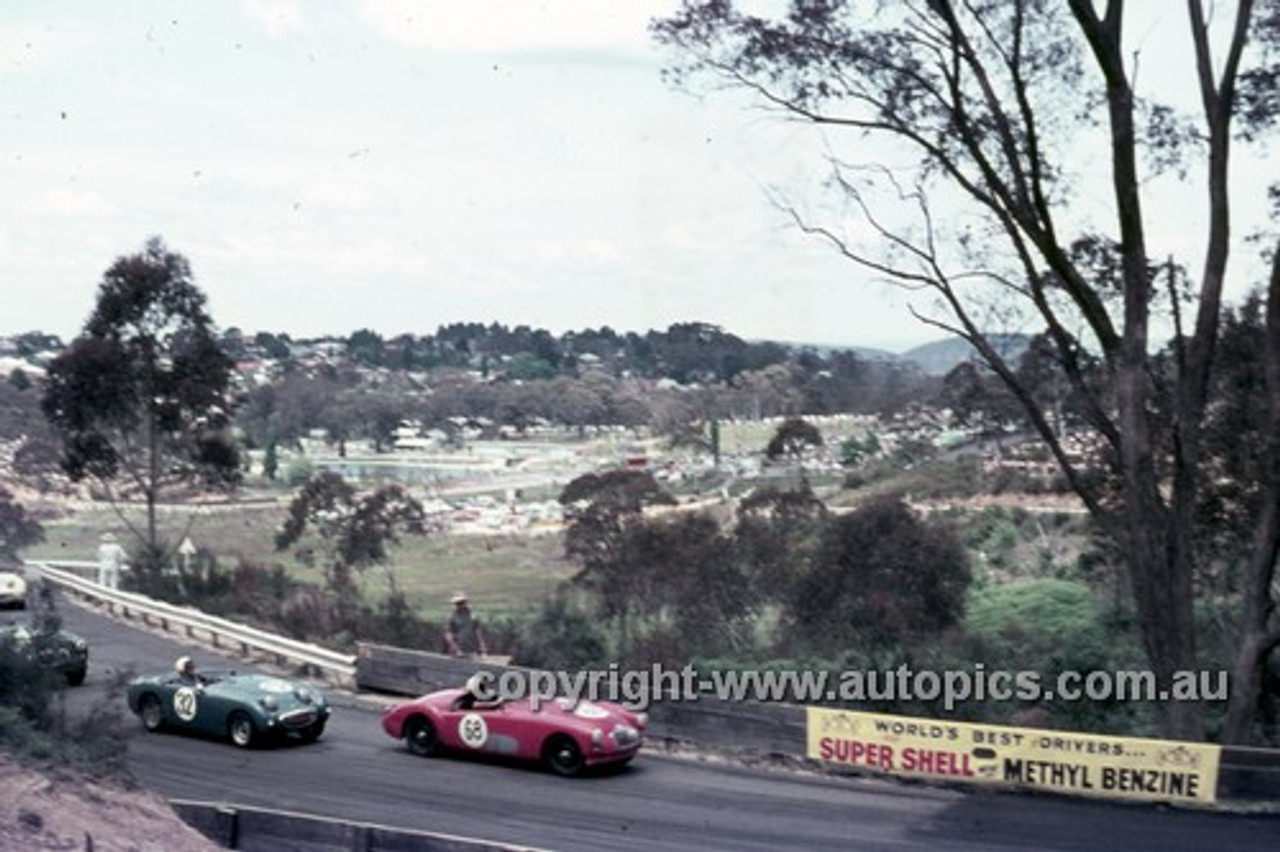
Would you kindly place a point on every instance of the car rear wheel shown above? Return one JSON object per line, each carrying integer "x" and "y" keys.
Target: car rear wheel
{"x": 563, "y": 756}
{"x": 421, "y": 737}
{"x": 151, "y": 713}
{"x": 241, "y": 730}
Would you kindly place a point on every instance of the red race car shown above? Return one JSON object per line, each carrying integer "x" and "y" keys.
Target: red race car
{"x": 566, "y": 736}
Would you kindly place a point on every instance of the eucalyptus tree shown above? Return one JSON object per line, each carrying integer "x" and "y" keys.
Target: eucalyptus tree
{"x": 142, "y": 400}
{"x": 993, "y": 114}
{"x": 602, "y": 511}
{"x": 346, "y": 532}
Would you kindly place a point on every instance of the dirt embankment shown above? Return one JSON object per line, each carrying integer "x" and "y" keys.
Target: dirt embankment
{"x": 41, "y": 812}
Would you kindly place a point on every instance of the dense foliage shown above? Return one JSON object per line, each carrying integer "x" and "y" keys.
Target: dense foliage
{"x": 141, "y": 400}
{"x": 35, "y": 726}
{"x": 956, "y": 137}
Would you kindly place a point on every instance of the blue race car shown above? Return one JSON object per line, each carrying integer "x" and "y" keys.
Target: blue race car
{"x": 249, "y": 709}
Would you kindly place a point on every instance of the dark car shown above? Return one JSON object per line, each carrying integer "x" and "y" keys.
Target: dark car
{"x": 246, "y": 708}
{"x": 63, "y": 651}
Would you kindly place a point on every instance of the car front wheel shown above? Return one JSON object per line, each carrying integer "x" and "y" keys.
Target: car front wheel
{"x": 563, "y": 756}
{"x": 421, "y": 737}
{"x": 76, "y": 677}
{"x": 151, "y": 713}
{"x": 240, "y": 728}
{"x": 312, "y": 732}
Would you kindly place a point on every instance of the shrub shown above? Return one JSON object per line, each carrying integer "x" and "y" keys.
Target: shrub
{"x": 881, "y": 576}
{"x": 562, "y": 636}
{"x": 1051, "y": 626}
{"x": 35, "y": 726}
{"x": 298, "y": 471}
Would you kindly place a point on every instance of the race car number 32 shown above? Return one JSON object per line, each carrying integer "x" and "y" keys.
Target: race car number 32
{"x": 472, "y": 730}
{"x": 184, "y": 703}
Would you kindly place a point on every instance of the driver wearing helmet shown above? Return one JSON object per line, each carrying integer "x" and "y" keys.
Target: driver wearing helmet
{"x": 186, "y": 669}
{"x": 478, "y": 695}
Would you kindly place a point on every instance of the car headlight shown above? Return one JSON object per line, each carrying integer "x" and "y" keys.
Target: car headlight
{"x": 625, "y": 736}
{"x": 269, "y": 702}
{"x": 305, "y": 695}
{"x": 597, "y": 737}
{"x": 79, "y": 644}
{"x": 642, "y": 720}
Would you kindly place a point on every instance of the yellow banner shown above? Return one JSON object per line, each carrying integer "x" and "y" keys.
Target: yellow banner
{"x": 1029, "y": 758}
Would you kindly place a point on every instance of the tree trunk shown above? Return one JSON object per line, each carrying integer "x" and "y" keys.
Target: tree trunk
{"x": 1257, "y": 637}
{"x": 1161, "y": 582}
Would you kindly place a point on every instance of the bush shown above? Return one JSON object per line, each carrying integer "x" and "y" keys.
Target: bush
{"x": 26, "y": 687}
{"x": 298, "y": 471}
{"x": 36, "y": 728}
{"x": 1051, "y": 626}
{"x": 562, "y": 636}
{"x": 394, "y": 622}
{"x": 880, "y": 576}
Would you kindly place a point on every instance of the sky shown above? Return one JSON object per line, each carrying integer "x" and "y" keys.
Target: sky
{"x": 396, "y": 166}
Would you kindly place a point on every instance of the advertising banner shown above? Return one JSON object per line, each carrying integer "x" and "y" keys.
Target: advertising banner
{"x": 1027, "y": 758}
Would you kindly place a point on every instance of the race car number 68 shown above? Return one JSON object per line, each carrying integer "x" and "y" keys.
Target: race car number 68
{"x": 184, "y": 703}
{"x": 472, "y": 730}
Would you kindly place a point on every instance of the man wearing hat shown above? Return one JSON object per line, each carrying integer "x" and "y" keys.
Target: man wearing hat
{"x": 111, "y": 560}
{"x": 462, "y": 634}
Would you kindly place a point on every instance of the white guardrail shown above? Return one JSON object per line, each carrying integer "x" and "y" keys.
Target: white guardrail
{"x": 331, "y": 665}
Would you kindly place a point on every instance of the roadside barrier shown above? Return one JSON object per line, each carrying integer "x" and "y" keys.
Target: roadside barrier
{"x": 784, "y": 733}
{"x": 260, "y": 828}
{"x": 329, "y": 665}
{"x": 773, "y": 732}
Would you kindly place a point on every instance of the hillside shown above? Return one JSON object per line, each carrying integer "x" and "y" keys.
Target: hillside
{"x": 42, "y": 812}
{"x": 941, "y": 356}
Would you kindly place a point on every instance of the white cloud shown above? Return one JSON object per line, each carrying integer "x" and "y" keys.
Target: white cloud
{"x": 74, "y": 202}
{"x": 34, "y": 47}
{"x": 350, "y": 197}
{"x": 569, "y": 251}
{"x": 514, "y": 25}
{"x": 275, "y": 16}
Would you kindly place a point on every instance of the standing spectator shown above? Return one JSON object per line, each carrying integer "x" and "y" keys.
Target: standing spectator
{"x": 111, "y": 561}
{"x": 462, "y": 634}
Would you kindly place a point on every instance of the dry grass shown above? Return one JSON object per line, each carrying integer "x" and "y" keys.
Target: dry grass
{"x": 504, "y": 573}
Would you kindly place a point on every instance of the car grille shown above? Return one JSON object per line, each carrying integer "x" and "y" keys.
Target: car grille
{"x": 624, "y": 737}
{"x": 298, "y": 718}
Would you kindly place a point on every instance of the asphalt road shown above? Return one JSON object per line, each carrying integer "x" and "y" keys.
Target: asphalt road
{"x": 658, "y": 803}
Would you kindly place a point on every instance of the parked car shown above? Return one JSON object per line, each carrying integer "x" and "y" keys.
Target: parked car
{"x": 63, "y": 651}
{"x": 565, "y": 736}
{"x": 249, "y": 709}
{"x": 13, "y": 588}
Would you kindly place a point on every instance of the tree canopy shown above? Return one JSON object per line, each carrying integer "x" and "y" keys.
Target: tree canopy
{"x": 879, "y": 576}
{"x": 142, "y": 399}
{"x": 995, "y": 113}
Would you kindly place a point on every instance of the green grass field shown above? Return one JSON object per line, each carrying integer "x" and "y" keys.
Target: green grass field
{"x": 504, "y": 573}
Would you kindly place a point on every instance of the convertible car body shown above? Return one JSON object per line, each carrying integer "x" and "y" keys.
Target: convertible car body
{"x": 63, "y": 651}
{"x": 249, "y": 709}
{"x": 566, "y": 736}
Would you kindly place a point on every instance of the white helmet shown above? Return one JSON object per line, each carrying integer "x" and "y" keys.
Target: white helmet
{"x": 182, "y": 664}
{"x": 480, "y": 685}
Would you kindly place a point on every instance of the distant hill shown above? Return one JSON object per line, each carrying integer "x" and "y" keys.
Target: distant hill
{"x": 825, "y": 349}
{"x": 941, "y": 356}
{"x": 934, "y": 359}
